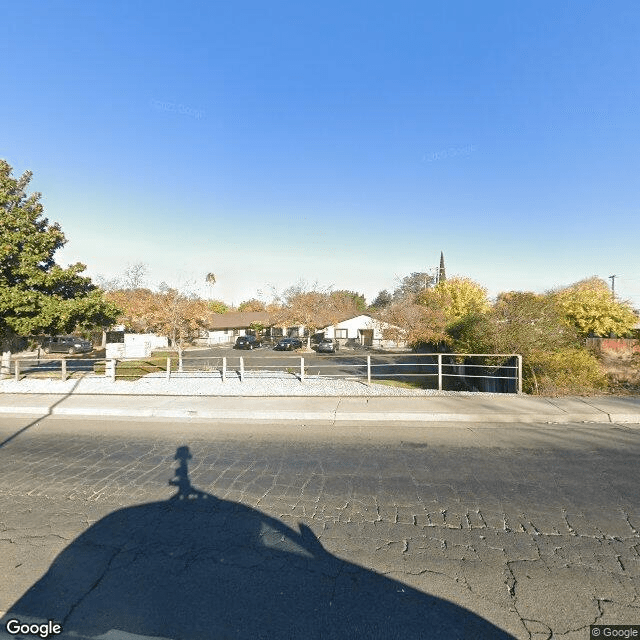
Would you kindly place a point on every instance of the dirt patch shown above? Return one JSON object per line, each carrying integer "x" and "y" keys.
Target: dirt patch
{"x": 623, "y": 369}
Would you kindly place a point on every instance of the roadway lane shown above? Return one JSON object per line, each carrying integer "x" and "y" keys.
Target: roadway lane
{"x": 533, "y": 529}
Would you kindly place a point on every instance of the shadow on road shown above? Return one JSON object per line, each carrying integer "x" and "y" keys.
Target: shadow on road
{"x": 6, "y": 441}
{"x": 198, "y": 567}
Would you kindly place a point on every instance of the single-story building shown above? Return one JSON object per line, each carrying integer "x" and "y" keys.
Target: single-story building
{"x": 224, "y": 328}
{"x": 366, "y": 331}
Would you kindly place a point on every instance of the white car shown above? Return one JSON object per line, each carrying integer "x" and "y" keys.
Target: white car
{"x": 327, "y": 345}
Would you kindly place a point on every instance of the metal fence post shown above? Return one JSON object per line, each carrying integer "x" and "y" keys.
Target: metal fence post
{"x": 224, "y": 369}
{"x": 16, "y": 364}
{"x": 168, "y": 368}
{"x": 439, "y": 372}
{"x": 5, "y": 365}
{"x": 368, "y": 369}
{"x": 63, "y": 369}
{"x": 241, "y": 369}
{"x": 519, "y": 374}
{"x": 301, "y": 369}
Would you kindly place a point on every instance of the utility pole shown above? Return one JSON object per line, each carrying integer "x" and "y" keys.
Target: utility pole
{"x": 613, "y": 286}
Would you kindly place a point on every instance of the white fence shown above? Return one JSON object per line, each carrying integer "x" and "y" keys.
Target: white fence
{"x": 441, "y": 371}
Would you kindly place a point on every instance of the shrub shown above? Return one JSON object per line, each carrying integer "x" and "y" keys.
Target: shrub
{"x": 567, "y": 371}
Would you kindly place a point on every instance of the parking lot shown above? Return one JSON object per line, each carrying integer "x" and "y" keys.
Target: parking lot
{"x": 345, "y": 363}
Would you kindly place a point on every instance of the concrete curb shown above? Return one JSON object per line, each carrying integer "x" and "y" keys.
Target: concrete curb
{"x": 333, "y": 416}
{"x": 330, "y": 409}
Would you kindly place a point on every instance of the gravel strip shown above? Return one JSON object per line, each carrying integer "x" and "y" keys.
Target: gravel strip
{"x": 263, "y": 383}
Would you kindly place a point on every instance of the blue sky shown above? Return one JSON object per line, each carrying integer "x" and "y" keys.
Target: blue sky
{"x": 343, "y": 143}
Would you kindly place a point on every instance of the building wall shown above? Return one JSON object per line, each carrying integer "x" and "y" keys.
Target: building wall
{"x": 614, "y": 344}
{"x": 353, "y": 327}
{"x": 220, "y": 336}
{"x": 136, "y": 345}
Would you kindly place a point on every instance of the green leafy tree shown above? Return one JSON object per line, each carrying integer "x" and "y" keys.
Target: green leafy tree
{"x": 534, "y": 326}
{"x": 37, "y": 295}
{"x": 412, "y": 285}
{"x": 382, "y": 300}
{"x": 519, "y": 322}
{"x": 218, "y": 306}
{"x": 589, "y": 306}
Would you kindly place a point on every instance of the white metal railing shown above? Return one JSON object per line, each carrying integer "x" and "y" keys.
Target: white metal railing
{"x": 471, "y": 370}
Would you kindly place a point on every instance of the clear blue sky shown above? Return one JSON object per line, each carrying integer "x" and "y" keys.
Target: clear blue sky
{"x": 341, "y": 142}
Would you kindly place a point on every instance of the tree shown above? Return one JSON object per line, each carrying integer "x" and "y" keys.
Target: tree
{"x": 37, "y": 295}
{"x": 141, "y": 309}
{"x": 519, "y": 322}
{"x": 218, "y": 306}
{"x": 382, "y": 300}
{"x": 182, "y": 316}
{"x": 168, "y": 312}
{"x": 302, "y": 305}
{"x": 134, "y": 275}
{"x": 417, "y": 324}
{"x": 347, "y": 302}
{"x": 534, "y": 326}
{"x": 251, "y": 305}
{"x": 306, "y": 308}
{"x": 457, "y": 297}
{"x": 410, "y": 286}
{"x": 589, "y": 306}
{"x": 210, "y": 279}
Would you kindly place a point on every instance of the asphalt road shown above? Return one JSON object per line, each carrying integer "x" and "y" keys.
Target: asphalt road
{"x": 196, "y": 530}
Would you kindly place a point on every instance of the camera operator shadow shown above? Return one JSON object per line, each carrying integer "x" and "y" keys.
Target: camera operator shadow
{"x": 199, "y": 567}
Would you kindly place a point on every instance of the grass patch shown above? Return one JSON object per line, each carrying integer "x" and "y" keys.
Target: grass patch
{"x": 405, "y": 384}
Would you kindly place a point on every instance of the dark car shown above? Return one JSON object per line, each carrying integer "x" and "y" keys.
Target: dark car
{"x": 288, "y": 344}
{"x": 248, "y": 342}
{"x": 67, "y": 344}
{"x": 327, "y": 345}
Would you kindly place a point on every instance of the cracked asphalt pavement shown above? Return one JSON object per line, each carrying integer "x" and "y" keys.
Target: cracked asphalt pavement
{"x": 164, "y": 529}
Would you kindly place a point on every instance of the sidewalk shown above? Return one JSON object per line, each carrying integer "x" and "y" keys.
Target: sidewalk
{"x": 331, "y": 410}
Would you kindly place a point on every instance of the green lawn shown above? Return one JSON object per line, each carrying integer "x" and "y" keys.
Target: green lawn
{"x": 136, "y": 369}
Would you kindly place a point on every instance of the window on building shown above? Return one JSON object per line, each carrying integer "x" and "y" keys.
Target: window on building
{"x": 341, "y": 333}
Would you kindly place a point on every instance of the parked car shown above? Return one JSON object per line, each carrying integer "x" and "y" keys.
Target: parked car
{"x": 248, "y": 342}
{"x": 327, "y": 345}
{"x": 67, "y": 344}
{"x": 288, "y": 344}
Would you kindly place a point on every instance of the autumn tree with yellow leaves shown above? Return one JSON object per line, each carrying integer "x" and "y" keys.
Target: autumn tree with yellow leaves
{"x": 589, "y": 306}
